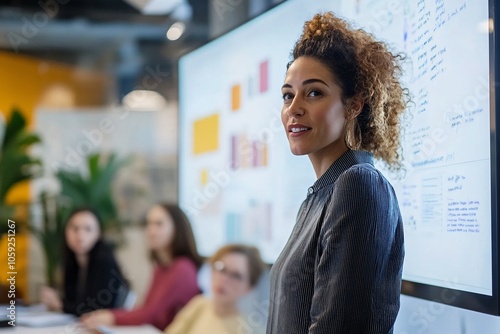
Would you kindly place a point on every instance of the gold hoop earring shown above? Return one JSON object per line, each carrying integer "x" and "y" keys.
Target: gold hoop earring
{"x": 347, "y": 138}
{"x": 353, "y": 137}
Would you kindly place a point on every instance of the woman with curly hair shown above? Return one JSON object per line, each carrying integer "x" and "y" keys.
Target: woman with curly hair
{"x": 340, "y": 271}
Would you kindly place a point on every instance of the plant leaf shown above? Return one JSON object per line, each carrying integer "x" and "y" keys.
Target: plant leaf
{"x": 14, "y": 126}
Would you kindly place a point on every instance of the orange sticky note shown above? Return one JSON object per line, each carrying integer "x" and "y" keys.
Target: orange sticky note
{"x": 236, "y": 97}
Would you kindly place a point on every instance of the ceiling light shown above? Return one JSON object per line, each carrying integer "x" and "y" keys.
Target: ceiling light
{"x": 144, "y": 100}
{"x": 175, "y": 31}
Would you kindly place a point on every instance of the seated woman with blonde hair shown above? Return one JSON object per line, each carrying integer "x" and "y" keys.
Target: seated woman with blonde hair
{"x": 235, "y": 271}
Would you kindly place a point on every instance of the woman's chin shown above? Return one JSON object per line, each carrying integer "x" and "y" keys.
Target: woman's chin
{"x": 298, "y": 151}
{"x": 80, "y": 251}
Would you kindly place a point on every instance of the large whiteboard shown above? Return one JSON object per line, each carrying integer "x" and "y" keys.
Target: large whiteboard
{"x": 445, "y": 196}
{"x": 239, "y": 182}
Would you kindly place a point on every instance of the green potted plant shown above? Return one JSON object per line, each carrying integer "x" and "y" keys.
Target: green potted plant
{"x": 94, "y": 188}
{"x": 51, "y": 233}
{"x": 16, "y": 165}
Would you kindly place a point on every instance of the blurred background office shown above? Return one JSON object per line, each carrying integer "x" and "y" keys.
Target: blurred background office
{"x": 96, "y": 78}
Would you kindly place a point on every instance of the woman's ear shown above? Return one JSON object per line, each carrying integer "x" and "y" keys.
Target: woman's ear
{"x": 356, "y": 104}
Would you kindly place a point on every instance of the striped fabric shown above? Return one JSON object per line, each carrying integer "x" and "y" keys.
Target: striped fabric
{"x": 340, "y": 271}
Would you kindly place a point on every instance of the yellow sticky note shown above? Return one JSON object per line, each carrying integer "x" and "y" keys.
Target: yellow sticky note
{"x": 206, "y": 134}
{"x": 204, "y": 177}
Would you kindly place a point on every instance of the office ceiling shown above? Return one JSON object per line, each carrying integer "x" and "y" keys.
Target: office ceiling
{"x": 104, "y": 35}
{"x": 124, "y": 38}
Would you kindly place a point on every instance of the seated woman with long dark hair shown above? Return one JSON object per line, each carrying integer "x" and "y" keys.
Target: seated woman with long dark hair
{"x": 92, "y": 277}
{"x": 173, "y": 249}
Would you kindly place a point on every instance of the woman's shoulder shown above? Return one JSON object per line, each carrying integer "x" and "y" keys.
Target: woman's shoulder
{"x": 196, "y": 306}
{"x": 360, "y": 169}
{"x": 184, "y": 262}
{"x": 362, "y": 182}
{"x": 102, "y": 253}
{"x": 188, "y": 315}
{"x": 361, "y": 176}
{"x": 199, "y": 301}
{"x": 181, "y": 265}
{"x": 103, "y": 264}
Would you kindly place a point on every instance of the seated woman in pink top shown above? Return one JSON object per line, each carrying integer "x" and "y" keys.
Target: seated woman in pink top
{"x": 173, "y": 249}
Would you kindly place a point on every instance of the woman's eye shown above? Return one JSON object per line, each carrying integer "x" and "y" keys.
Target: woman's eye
{"x": 287, "y": 96}
{"x": 315, "y": 93}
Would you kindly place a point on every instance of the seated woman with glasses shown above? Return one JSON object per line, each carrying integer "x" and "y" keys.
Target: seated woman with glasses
{"x": 235, "y": 271}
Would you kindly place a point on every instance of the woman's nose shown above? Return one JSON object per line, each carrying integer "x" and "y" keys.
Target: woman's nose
{"x": 296, "y": 108}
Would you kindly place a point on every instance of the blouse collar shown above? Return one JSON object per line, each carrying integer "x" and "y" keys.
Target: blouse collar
{"x": 344, "y": 162}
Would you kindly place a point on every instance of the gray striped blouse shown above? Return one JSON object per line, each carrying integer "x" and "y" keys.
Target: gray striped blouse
{"x": 340, "y": 271}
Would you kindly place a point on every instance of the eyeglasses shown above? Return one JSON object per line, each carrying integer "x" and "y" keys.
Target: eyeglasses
{"x": 220, "y": 267}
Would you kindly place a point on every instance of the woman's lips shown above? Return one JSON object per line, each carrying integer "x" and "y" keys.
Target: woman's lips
{"x": 220, "y": 290}
{"x": 297, "y": 130}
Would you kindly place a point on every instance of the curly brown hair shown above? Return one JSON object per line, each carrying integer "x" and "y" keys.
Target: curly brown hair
{"x": 364, "y": 68}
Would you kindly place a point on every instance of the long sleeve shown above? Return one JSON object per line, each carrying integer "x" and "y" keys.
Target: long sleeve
{"x": 357, "y": 277}
{"x": 106, "y": 281}
{"x": 69, "y": 306}
{"x": 102, "y": 281}
{"x": 340, "y": 271}
{"x": 170, "y": 291}
{"x": 69, "y": 299}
